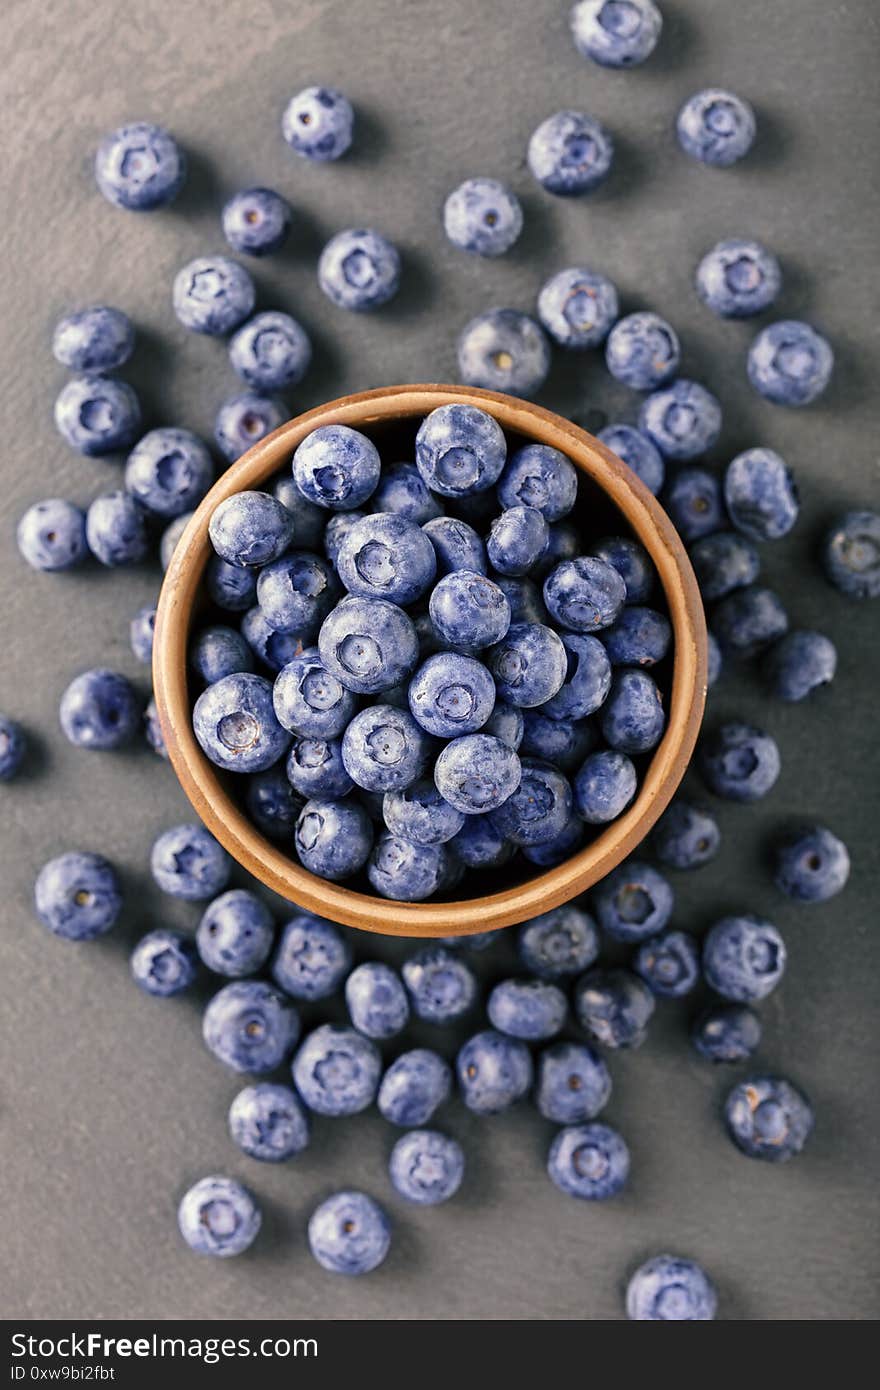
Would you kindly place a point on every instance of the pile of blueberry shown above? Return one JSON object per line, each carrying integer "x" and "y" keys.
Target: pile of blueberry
{"x": 417, "y": 584}
{"x": 425, "y": 683}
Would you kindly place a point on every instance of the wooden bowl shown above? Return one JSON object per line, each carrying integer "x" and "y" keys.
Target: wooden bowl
{"x": 377, "y": 413}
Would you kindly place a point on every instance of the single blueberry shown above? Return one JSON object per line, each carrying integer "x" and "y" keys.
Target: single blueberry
{"x": 99, "y": 709}
{"x": 220, "y": 651}
{"x": 493, "y": 1072}
{"x": 97, "y": 415}
{"x": 616, "y": 33}
{"x": 638, "y": 637}
{"x": 272, "y": 804}
{"x": 530, "y": 1009}
{"x": 456, "y": 545}
{"x": 244, "y": 419}
{"x": 336, "y": 467}
{"x": 315, "y": 768}
{"x": 604, "y": 786}
{"x": 270, "y": 352}
{"x": 116, "y": 530}
{"x": 359, "y": 270}
{"x": 318, "y": 123}
{"x": 296, "y": 592}
{"x": 385, "y": 555}
{"x": 768, "y": 1117}
{"x": 169, "y": 471}
{"x": 213, "y": 295}
{"x": 570, "y": 153}
{"x": 585, "y": 594}
{"x": 384, "y": 749}
{"x": 140, "y": 167}
{"x": 638, "y": 451}
{"x": 614, "y": 1007}
{"x": 402, "y": 490}
{"x": 504, "y": 350}
{"x": 312, "y": 959}
{"x": 13, "y": 747}
{"x": 309, "y": 520}
{"x": 141, "y": 630}
{"x": 477, "y": 773}
{"x": 749, "y": 620}
{"x": 250, "y": 528}
{"x": 413, "y": 1087}
{"x": 632, "y": 718}
{"x": 349, "y": 1234}
{"x": 230, "y": 586}
{"x": 256, "y": 221}
{"x": 164, "y": 962}
{"x": 187, "y": 862}
{"x": 799, "y": 663}
{"x": 683, "y": 419}
{"x": 743, "y": 958}
{"x": 739, "y": 762}
{"x": 539, "y": 808}
{"x": 250, "y": 1026}
{"x": 460, "y": 450}
{"x": 738, "y": 278}
{"x": 426, "y": 1167}
{"x": 268, "y": 1122}
{"x": 235, "y": 934}
{"x": 441, "y": 985}
{"x": 727, "y": 1033}
{"x": 669, "y": 963}
{"x": 686, "y": 836}
{"x": 218, "y": 1216}
{"x": 274, "y": 649}
{"x": 376, "y": 1000}
{"x": 529, "y": 664}
{"x": 77, "y": 896}
{"x": 97, "y": 339}
{"x": 336, "y": 1070}
{"x": 420, "y": 814}
{"x": 668, "y": 1288}
{"x": 643, "y": 351}
{"x": 309, "y": 700}
{"x": 406, "y": 872}
{"x": 760, "y": 495}
{"x": 235, "y": 724}
{"x": 589, "y": 1161}
{"x": 51, "y": 535}
{"x": 562, "y": 742}
{"x": 573, "y": 1083}
{"x": 811, "y": 865}
{"x": 559, "y": 943}
{"x": 851, "y": 554}
{"x": 516, "y": 541}
{"x": 722, "y": 562}
{"x": 480, "y": 844}
{"x": 790, "y": 363}
{"x": 507, "y": 723}
{"x": 716, "y": 127}
{"x": 578, "y": 308}
{"x": 450, "y": 695}
{"x": 333, "y": 838}
{"x": 482, "y": 216}
{"x": 633, "y": 902}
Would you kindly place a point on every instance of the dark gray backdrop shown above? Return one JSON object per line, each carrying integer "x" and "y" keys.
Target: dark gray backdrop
{"x": 109, "y": 1106}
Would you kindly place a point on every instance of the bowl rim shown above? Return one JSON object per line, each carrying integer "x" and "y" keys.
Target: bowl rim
{"x": 267, "y": 861}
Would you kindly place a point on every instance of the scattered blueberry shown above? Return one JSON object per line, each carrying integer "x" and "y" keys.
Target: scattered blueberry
{"x": 187, "y": 862}
{"x": 13, "y": 747}
{"x": 669, "y": 963}
{"x": 349, "y": 1234}
{"x": 768, "y": 1117}
{"x": 743, "y": 958}
{"x": 99, "y": 709}
{"x": 336, "y": 1070}
{"x": 573, "y": 1083}
{"x": 359, "y": 270}
{"x": 441, "y": 985}
{"x": 426, "y": 1167}
{"x": 727, "y": 1033}
{"x": 812, "y": 865}
{"x": 589, "y": 1161}
{"x": 52, "y": 535}
{"x": 528, "y": 1009}
{"x": 851, "y": 554}
{"x": 739, "y": 762}
{"x": 218, "y": 1216}
{"x": 570, "y": 153}
{"x": 683, "y": 420}
{"x": 738, "y": 278}
{"x": 722, "y": 562}
{"x": 482, "y": 216}
{"x": 760, "y": 495}
{"x": 376, "y": 1000}
{"x": 413, "y": 1087}
{"x": 578, "y": 307}
{"x": 77, "y": 896}
{"x": 96, "y": 414}
{"x": 116, "y": 530}
{"x": 270, "y": 352}
{"x": 559, "y": 943}
{"x": 493, "y": 1072}
{"x": 250, "y": 1026}
{"x": 140, "y": 167}
{"x": 235, "y": 934}
{"x": 169, "y": 471}
{"x": 170, "y": 538}
{"x": 98, "y": 339}
{"x": 164, "y": 962}
{"x": 670, "y": 1289}
{"x": 614, "y": 1007}
{"x": 643, "y": 351}
{"x": 318, "y": 123}
{"x": 748, "y": 620}
{"x": 256, "y": 221}
{"x": 686, "y": 836}
{"x": 790, "y": 363}
{"x": 799, "y": 663}
{"x": 268, "y": 1122}
{"x": 616, "y": 33}
{"x": 244, "y": 419}
{"x": 312, "y": 959}
{"x": 716, "y": 127}
{"x": 504, "y": 350}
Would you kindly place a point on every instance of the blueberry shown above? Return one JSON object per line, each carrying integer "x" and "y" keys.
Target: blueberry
{"x": 336, "y": 529}
{"x": 589, "y": 1161}
{"x": 336, "y": 1070}
{"x": 528, "y": 1009}
{"x": 413, "y": 1087}
{"x": 218, "y": 1216}
{"x": 312, "y": 959}
{"x": 170, "y": 537}
{"x": 743, "y": 958}
{"x": 406, "y": 872}
{"x": 230, "y": 586}
{"x": 559, "y": 943}
{"x": 723, "y": 562}
{"x": 570, "y": 153}
{"x": 315, "y": 768}
{"x": 450, "y": 695}
{"x": 748, "y": 620}
{"x": 616, "y": 33}
{"x": 295, "y": 593}
{"x": 670, "y": 1289}
{"x": 272, "y": 804}
{"x": 336, "y": 467}
{"x": 384, "y": 749}
{"x": 632, "y": 562}
{"x": 250, "y": 1026}
{"x": 851, "y": 554}
{"x": 376, "y": 1000}
{"x": 273, "y": 649}
{"x": 169, "y": 471}
{"x": 333, "y": 838}
{"x": 669, "y": 963}
{"x": 141, "y": 630}
{"x": 250, "y": 528}
{"x": 477, "y": 773}
{"x": 456, "y": 545}
{"x": 385, "y": 555}
{"x": 99, "y": 709}
{"x": 585, "y": 594}
{"x": 529, "y": 664}
{"x": 493, "y": 1072}
{"x": 359, "y": 270}
{"x": 268, "y": 1123}
{"x": 116, "y": 530}
{"x": 420, "y": 814}
{"x": 507, "y": 723}
{"x": 604, "y": 786}
{"x": 713, "y": 660}
{"x": 270, "y": 351}
{"x": 309, "y": 701}
{"x": 799, "y": 663}
{"x": 139, "y": 167}
{"x": 790, "y": 363}
{"x": 256, "y": 221}
{"x": 77, "y": 896}
{"x": 213, "y": 295}
{"x": 694, "y": 502}
{"x": 760, "y": 494}
{"x": 98, "y": 339}
{"x": 524, "y": 598}
{"x": 441, "y": 986}
{"x": 153, "y": 730}
{"x": 349, "y": 1234}
{"x": 235, "y": 724}
{"x": 643, "y": 351}
{"x": 13, "y": 747}
{"x": 632, "y": 718}
{"x": 401, "y": 490}
{"x": 812, "y": 865}
{"x": 686, "y": 836}
{"x": 614, "y": 1007}
{"x": 220, "y": 651}
{"x": 727, "y": 1033}
{"x": 244, "y": 419}
{"x": 318, "y": 123}
{"x": 738, "y": 278}
{"x": 309, "y": 520}
{"x": 96, "y": 414}
{"x": 235, "y": 934}
{"x": 638, "y": 637}
{"x": 480, "y": 844}
{"x": 739, "y": 762}
{"x": 683, "y": 420}
{"x": 638, "y": 452}
{"x": 562, "y": 742}
{"x": 573, "y": 1083}
{"x": 468, "y": 610}
{"x": 716, "y": 127}
{"x": 460, "y": 450}
{"x": 503, "y": 350}
{"x": 482, "y": 216}
{"x": 187, "y": 862}
{"x": 517, "y": 539}
{"x": 164, "y": 962}
{"x": 577, "y": 307}
{"x": 539, "y": 809}
{"x": 633, "y": 902}
{"x": 768, "y": 1117}
{"x": 426, "y": 1167}
{"x": 52, "y": 535}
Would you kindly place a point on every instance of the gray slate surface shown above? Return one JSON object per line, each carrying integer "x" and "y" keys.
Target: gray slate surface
{"x": 109, "y": 1106}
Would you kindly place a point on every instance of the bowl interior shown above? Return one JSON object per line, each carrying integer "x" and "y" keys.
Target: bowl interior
{"x": 611, "y": 500}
